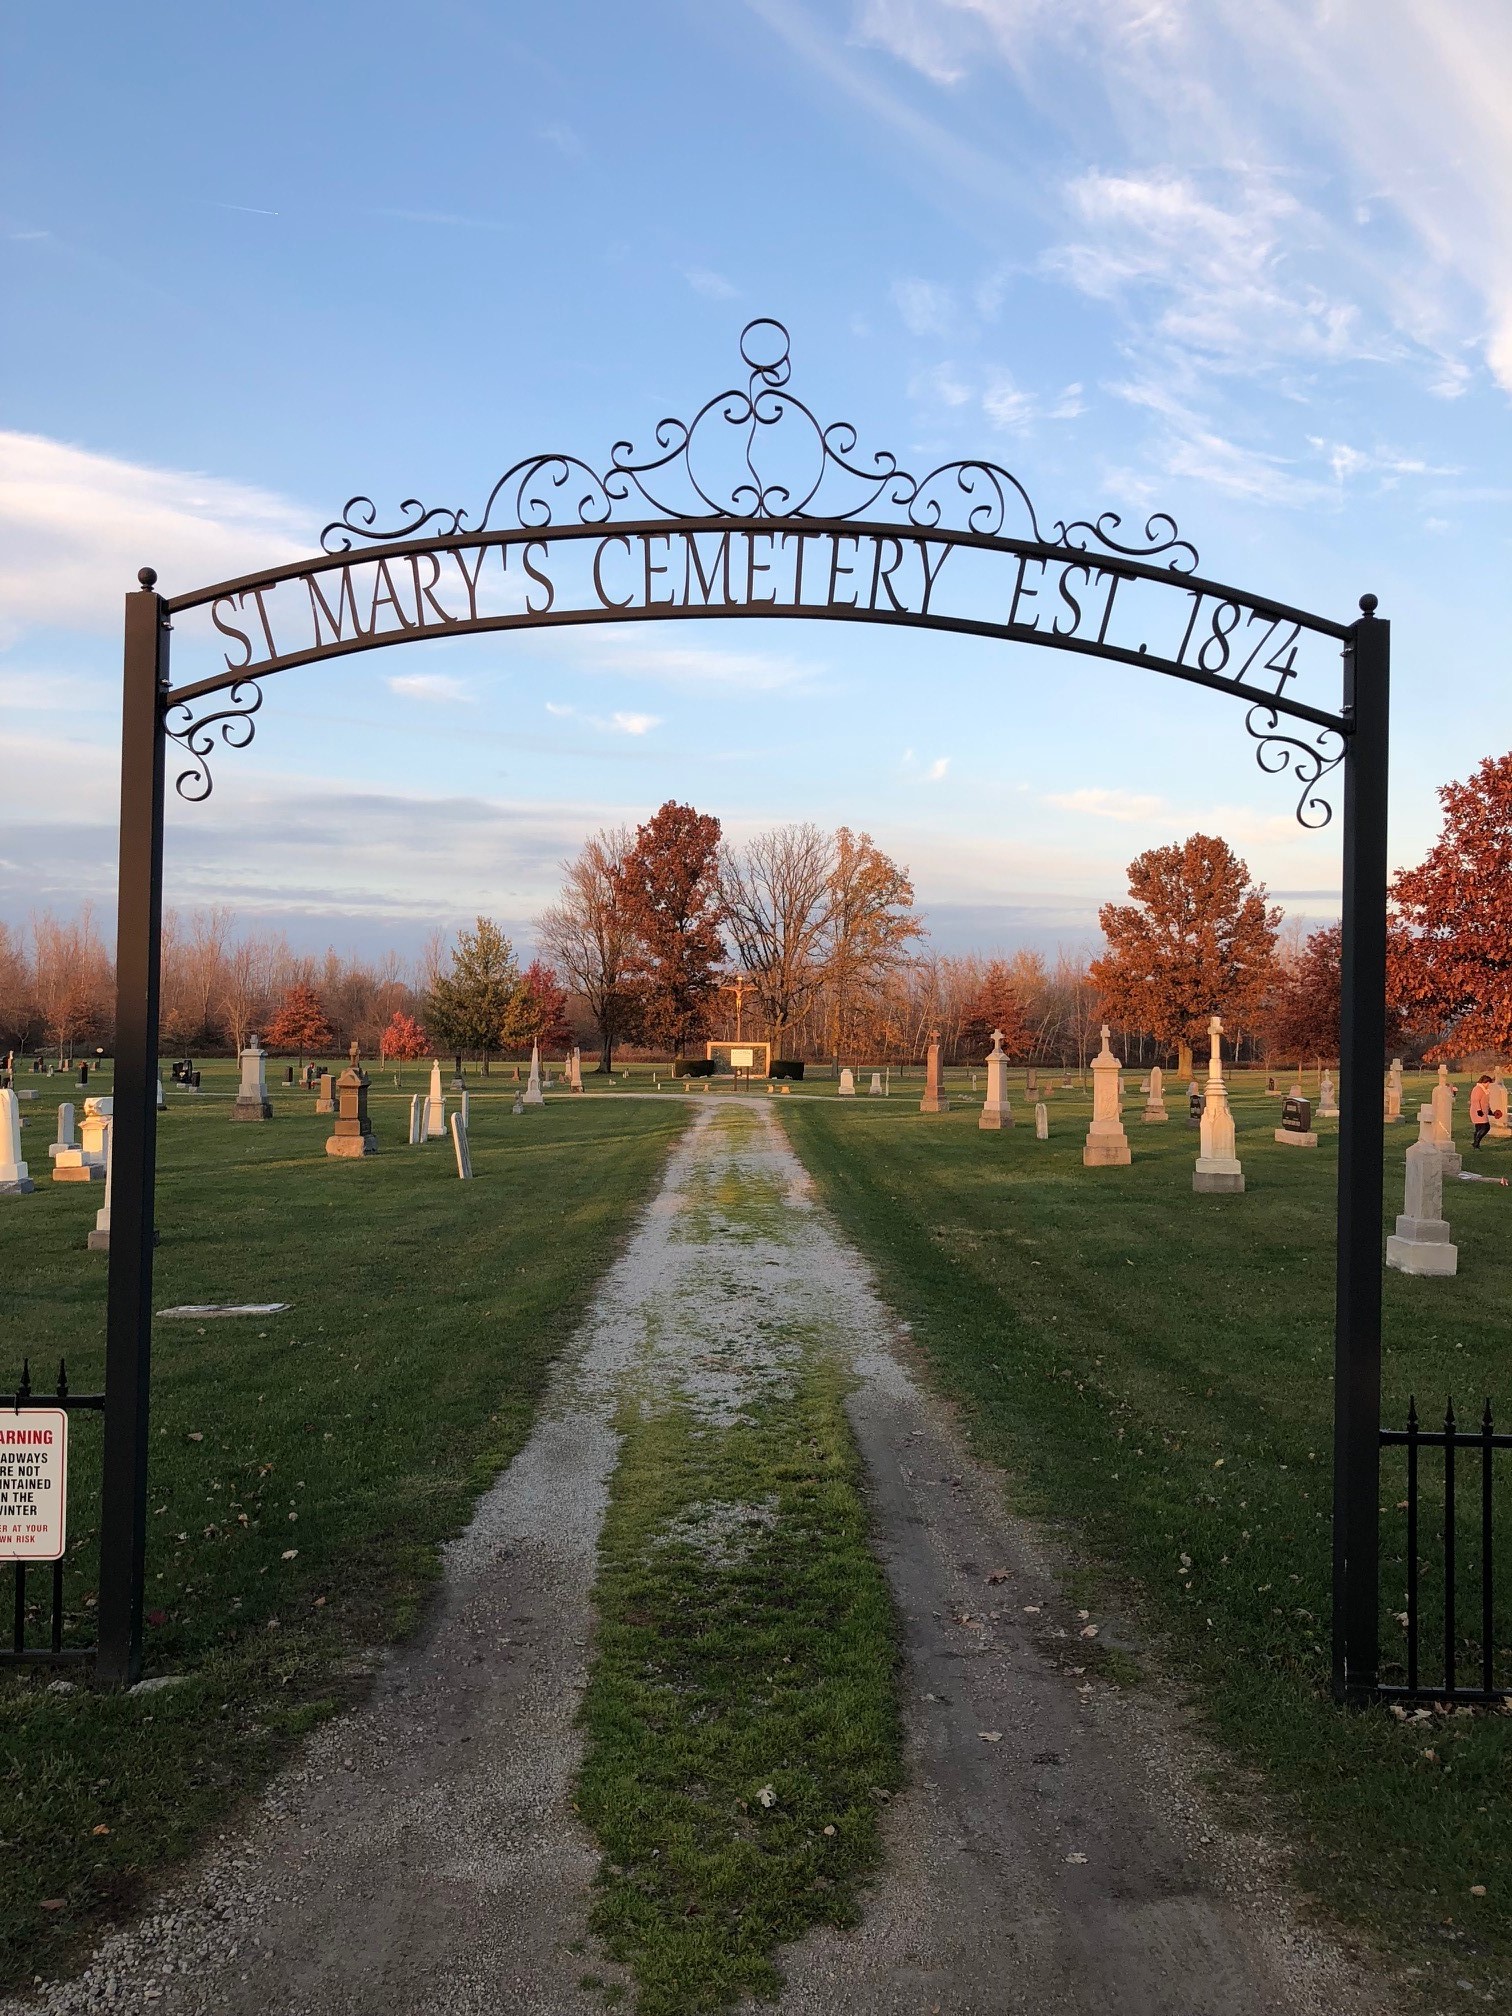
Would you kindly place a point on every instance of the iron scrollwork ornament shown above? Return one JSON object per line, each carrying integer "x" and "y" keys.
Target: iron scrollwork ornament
{"x": 230, "y": 724}
{"x": 759, "y": 453}
{"x": 1308, "y": 761}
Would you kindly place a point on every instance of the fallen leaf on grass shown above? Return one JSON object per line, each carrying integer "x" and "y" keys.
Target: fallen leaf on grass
{"x": 766, "y": 1796}
{"x": 289, "y": 1554}
{"x": 1477, "y": 1889}
{"x": 53, "y": 1903}
{"x": 101, "y": 1829}
{"x": 196, "y": 1436}
{"x": 1031, "y": 1609}
{"x": 1089, "y": 1631}
{"x": 990, "y": 1735}
{"x": 1076, "y": 1857}
{"x": 830, "y": 1830}
{"x": 157, "y": 1616}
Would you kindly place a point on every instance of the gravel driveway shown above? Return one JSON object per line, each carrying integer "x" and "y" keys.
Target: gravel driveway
{"x": 1052, "y": 1852}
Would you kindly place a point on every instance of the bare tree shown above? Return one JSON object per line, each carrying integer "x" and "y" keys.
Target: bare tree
{"x": 586, "y": 933}
{"x": 779, "y": 899}
{"x": 72, "y": 979}
{"x": 871, "y": 921}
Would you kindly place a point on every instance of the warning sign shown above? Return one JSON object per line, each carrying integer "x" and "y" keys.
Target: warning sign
{"x": 33, "y": 1483}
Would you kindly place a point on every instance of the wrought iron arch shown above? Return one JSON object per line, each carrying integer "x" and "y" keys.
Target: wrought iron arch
{"x": 755, "y": 508}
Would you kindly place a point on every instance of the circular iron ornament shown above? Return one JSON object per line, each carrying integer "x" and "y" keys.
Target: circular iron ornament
{"x": 231, "y": 724}
{"x": 1309, "y": 762}
{"x": 761, "y": 454}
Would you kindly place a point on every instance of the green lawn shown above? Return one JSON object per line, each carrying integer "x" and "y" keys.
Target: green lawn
{"x": 305, "y": 1466}
{"x": 1153, "y": 1368}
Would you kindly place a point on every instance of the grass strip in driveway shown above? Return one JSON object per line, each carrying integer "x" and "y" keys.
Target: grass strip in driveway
{"x": 741, "y": 1715}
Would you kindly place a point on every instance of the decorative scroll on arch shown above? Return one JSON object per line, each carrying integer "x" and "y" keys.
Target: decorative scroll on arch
{"x": 759, "y": 453}
{"x": 754, "y": 507}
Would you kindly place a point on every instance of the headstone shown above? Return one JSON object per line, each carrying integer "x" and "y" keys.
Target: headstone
{"x": 534, "y": 1096}
{"x": 464, "y": 1106}
{"x": 15, "y": 1178}
{"x": 460, "y": 1148}
{"x": 1195, "y": 1104}
{"x": 1041, "y": 1121}
{"x": 575, "y": 1071}
{"x": 1295, "y": 1130}
{"x": 1501, "y": 1107}
{"x": 934, "y": 1100}
{"x": 1144, "y": 1085}
{"x": 847, "y": 1089}
{"x": 86, "y": 1163}
{"x": 519, "y": 1104}
{"x": 1270, "y": 1084}
{"x": 1218, "y": 1167}
{"x": 417, "y": 1119}
{"x": 65, "y": 1130}
{"x": 162, "y": 1097}
{"x": 1420, "y": 1244}
{"x": 326, "y": 1103}
{"x": 1328, "y": 1102}
{"x": 1155, "y": 1113}
{"x": 435, "y": 1106}
{"x": 1184, "y": 1065}
{"x": 1030, "y": 1078}
{"x": 1443, "y": 1123}
{"x": 876, "y": 1086}
{"x": 1394, "y": 1092}
{"x": 252, "y": 1101}
{"x": 1106, "y": 1146}
{"x": 997, "y": 1112}
{"x": 353, "y": 1134}
{"x": 98, "y": 1240}
{"x": 787, "y": 1091}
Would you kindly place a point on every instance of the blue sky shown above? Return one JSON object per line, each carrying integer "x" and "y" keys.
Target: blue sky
{"x": 1247, "y": 261}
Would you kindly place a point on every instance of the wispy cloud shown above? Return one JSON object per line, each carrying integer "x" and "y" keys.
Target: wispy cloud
{"x": 1390, "y": 115}
{"x": 75, "y": 526}
{"x": 695, "y": 667}
{"x": 428, "y": 686}
{"x": 713, "y": 285}
{"x": 618, "y": 723}
{"x": 567, "y": 141}
{"x": 927, "y": 308}
{"x": 450, "y": 220}
{"x": 935, "y": 774}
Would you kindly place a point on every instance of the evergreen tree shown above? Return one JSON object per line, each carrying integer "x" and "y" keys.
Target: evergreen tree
{"x": 465, "y": 1008}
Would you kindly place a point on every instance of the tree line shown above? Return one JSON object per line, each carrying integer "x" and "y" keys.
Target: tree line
{"x": 668, "y": 934}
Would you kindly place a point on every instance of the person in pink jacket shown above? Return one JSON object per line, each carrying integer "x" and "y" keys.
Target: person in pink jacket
{"x": 1480, "y": 1109}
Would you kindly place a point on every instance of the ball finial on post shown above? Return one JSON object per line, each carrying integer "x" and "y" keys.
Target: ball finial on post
{"x": 1369, "y": 604}
{"x": 147, "y": 576}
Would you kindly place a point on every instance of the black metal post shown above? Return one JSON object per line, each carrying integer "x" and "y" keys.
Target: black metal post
{"x": 1362, "y": 1058}
{"x": 128, "y": 1335}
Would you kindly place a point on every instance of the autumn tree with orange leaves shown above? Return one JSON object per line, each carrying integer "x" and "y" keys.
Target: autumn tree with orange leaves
{"x": 1198, "y": 939}
{"x": 668, "y": 890}
{"x": 1449, "y": 964}
{"x": 996, "y": 1005}
{"x": 300, "y": 1024}
{"x": 1301, "y": 1017}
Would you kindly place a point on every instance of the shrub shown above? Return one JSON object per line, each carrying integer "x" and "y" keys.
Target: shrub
{"x": 787, "y": 1067}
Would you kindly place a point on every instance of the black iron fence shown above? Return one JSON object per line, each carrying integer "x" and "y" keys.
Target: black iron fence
{"x": 1450, "y": 1601}
{"x": 29, "y": 1607}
